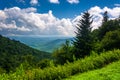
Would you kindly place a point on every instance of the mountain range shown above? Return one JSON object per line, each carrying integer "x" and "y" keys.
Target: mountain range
{"x": 47, "y": 44}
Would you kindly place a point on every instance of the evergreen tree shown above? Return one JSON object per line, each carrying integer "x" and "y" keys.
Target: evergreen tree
{"x": 82, "y": 42}
{"x": 103, "y": 29}
{"x": 63, "y": 54}
{"x": 105, "y": 17}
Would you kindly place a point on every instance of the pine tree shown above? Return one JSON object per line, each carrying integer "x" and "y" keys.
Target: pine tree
{"x": 104, "y": 27}
{"x": 105, "y": 17}
{"x": 82, "y": 42}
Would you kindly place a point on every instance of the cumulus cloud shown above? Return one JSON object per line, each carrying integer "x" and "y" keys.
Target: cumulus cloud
{"x": 28, "y": 21}
{"x": 97, "y": 12}
{"x": 2, "y": 15}
{"x": 73, "y": 1}
{"x": 114, "y": 13}
{"x": 54, "y": 1}
{"x": 34, "y": 2}
{"x": 23, "y": 29}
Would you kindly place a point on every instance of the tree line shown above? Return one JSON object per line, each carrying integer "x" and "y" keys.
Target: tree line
{"x": 106, "y": 37}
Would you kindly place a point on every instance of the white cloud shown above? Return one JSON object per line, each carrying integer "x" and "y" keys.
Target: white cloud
{"x": 8, "y": 26}
{"x": 23, "y": 29}
{"x": 28, "y": 21}
{"x": 34, "y": 2}
{"x": 73, "y": 1}
{"x": 2, "y": 15}
{"x": 114, "y": 13}
{"x": 97, "y": 12}
{"x": 54, "y": 1}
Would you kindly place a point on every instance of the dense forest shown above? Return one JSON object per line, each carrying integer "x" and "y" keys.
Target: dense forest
{"x": 90, "y": 49}
{"x": 13, "y": 53}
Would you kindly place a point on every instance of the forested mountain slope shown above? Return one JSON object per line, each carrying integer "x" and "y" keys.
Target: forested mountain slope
{"x": 13, "y": 53}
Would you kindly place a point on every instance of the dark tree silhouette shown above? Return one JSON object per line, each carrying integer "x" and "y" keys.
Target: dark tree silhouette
{"x": 105, "y": 16}
{"x": 82, "y": 41}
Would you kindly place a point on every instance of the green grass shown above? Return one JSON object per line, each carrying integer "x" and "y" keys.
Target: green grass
{"x": 110, "y": 72}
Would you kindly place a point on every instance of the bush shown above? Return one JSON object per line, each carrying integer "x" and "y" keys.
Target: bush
{"x": 44, "y": 63}
{"x": 68, "y": 69}
{"x": 64, "y": 54}
{"x": 111, "y": 40}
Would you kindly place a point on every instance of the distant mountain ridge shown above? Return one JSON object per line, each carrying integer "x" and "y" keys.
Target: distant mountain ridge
{"x": 48, "y": 44}
{"x": 52, "y": 45}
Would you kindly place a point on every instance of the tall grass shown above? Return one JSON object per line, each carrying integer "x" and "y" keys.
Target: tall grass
{"x": 59, "y": 72}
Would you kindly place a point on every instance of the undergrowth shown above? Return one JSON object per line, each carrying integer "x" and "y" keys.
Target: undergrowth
{"x": 56, "y": 73}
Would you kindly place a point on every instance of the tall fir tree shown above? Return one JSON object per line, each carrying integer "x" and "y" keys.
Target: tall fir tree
{"x": 104, "y": 27}
{"x": 83, "y": 42}
{"x": 105, "y": 17}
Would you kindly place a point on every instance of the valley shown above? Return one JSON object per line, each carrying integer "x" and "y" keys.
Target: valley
{"x": 48, "y": 44}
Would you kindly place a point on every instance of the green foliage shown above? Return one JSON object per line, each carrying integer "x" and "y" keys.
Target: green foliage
{"x": 44, "y": 63}
{"x": 64, "y": 54}
{"x": 110, "y": 72}
{"x": 111, "y": 40}
{"x": 2, "y": 70}
{"x": 68, "y": 69}
{"x": 110, "y": 25}
{"x": 83, "y": 41}
{"x": 107, "y": 36}
{"x": 26, "y": 60}
{"x": 13, "y": 53}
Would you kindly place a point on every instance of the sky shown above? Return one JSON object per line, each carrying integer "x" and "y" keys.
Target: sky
{"x": 51, "y": 17}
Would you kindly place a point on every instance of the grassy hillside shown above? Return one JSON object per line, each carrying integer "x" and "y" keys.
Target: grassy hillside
{"x": 110, "y": 72}
{"x": 13, "y": 53}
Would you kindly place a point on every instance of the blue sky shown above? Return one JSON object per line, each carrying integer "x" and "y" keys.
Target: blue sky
{"x": 63, "y": 9}
{"x": 51, "y": 17}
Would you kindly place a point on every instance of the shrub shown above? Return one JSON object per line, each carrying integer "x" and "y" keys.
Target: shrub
{"x": 66, "y": 70}
{"x": 64, "y": 54}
